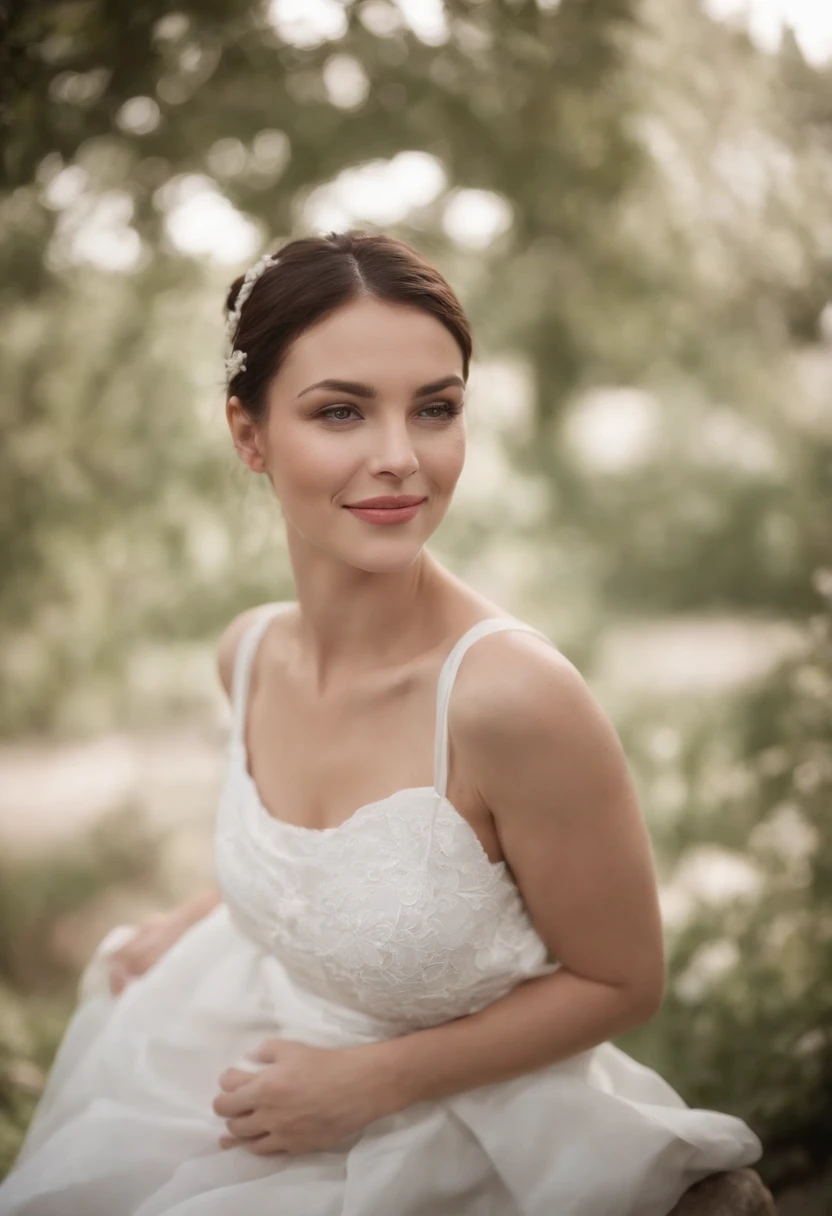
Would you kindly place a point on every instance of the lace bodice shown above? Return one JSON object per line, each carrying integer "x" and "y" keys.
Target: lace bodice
{"x": 396, "y": 915}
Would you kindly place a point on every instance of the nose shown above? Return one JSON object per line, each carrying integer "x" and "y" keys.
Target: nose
{"x": 393, "y": 450}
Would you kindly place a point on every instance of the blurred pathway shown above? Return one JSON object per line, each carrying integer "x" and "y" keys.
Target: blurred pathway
{"x": 54, "y": 792}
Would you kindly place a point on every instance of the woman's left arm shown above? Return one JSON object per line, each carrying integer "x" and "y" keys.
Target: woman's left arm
{"x": 551, "y": 769}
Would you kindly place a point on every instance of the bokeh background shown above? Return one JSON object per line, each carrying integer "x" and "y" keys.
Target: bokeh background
{"x": 632, "y": 198}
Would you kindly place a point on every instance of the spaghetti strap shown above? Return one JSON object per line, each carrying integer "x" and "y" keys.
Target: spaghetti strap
{"x": 252, "y": 637}
{"x": 243, "y": 659}
{"x": 446, "y": 680}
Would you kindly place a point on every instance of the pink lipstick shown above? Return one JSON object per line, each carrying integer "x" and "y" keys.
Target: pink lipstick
{"x": 387, "y": 509}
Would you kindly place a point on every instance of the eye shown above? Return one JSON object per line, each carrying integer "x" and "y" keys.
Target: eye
{"x": 449, "y": 409}
{"x": 331, "y": 409}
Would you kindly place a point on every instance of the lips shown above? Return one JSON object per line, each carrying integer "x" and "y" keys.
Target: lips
{"x": 387, "y": 509}
{"x": 393, "y": 502}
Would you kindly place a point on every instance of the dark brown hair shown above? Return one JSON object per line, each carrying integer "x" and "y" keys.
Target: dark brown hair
{"x": 315, "y": 275}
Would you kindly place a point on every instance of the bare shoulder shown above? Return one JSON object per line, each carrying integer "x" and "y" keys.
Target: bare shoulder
{"x": 523, "y": 708}
{"x": 229, "y": 640}
{"x": 513, "y": 683}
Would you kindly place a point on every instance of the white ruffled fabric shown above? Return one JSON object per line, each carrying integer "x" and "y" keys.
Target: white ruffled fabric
{"x": 395, "y": 920}
{"x": 125, "y": 1127}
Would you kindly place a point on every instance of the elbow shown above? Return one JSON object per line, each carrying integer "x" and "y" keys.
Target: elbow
{"x": 650, "y": 1006}
{"x": 644, "y": 1000}
{"x": 648, "y": 983}
{"x": 637, "y": 1011}
{"x": 649, "y": 1000}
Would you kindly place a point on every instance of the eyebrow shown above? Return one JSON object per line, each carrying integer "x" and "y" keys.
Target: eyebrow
{"x": 367, "y": 391}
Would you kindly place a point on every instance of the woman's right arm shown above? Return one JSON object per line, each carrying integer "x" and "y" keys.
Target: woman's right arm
{"x": 202, "y": 904}
{"x": 158, "y": 933}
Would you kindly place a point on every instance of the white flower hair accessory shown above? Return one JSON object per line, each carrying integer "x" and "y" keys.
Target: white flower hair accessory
{"x": 236, "y": 361}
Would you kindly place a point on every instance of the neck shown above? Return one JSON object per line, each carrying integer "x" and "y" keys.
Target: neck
{"x": 354, "y": 622}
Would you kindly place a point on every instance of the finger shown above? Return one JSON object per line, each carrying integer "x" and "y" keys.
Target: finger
{"x": 236, "y": 1142}
{"x": 139, "y": 958}
{"x": 233, "y": 1104}
{"x": 244, "y": 1127}
{"x": 134, "y": 961}
{"x": 131, "y": 961}
{"x": 233, "y": 1078}
{"x": 229, "y": 1106}
{"x": 266, "y": 1052}
{"x": 127, "y": 970}
{"x": 135, "y": 946}
{"x": 265, "y": 1146}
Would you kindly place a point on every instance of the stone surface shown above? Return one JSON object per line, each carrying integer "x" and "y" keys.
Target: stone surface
{"x": 731, "y": 1193}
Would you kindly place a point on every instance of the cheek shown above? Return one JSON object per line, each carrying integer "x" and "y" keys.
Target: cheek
{"x": 309, "y": 463}
{"x": 444, "y": 461}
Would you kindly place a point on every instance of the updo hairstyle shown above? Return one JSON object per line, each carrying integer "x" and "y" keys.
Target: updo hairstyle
{"x": 314, "y": 276}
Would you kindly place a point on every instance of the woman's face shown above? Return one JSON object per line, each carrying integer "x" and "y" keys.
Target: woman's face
{"x": 368, "y": 402}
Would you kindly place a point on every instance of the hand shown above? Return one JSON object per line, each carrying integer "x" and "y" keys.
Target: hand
{"x": 156, "y": 935}
{"x": 308, "y": 1098}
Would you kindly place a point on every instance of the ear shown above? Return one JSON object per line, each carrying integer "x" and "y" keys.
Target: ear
{"x": 246, "y": 435}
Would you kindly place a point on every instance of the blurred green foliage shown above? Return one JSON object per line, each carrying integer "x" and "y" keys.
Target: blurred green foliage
{"x": 667, "y": 185}
{"x": 746, "y": 1022}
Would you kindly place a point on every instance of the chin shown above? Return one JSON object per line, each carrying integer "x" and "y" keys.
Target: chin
{"x": 397, "y": 558}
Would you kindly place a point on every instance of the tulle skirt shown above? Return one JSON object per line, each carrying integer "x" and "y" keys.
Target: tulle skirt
{"x": 125, "y": 1126}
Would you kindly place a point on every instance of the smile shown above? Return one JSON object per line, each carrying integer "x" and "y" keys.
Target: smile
{"x": 386, "y": 515}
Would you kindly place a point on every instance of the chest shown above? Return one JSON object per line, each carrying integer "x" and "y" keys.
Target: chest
{"x": 314, "y": 764}
{"x": 399, "y": 915}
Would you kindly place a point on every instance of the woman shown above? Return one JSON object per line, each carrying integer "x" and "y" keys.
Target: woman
{"x": 406, "y": 1007}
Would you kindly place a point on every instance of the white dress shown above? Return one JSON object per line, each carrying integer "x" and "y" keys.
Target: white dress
{"x": 391, "y": 921}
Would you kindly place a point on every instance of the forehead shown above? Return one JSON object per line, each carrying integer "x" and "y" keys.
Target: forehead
{"x": 372, "y": 341}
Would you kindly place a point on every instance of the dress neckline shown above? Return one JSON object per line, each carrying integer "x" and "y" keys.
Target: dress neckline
{"x": 285, "y": 827}
{"x": 247, "y": 648}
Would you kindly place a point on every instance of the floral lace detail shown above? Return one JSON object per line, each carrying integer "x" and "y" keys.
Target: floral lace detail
{"x": 397, "y": 914}
{"x": 408, "y": 926}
